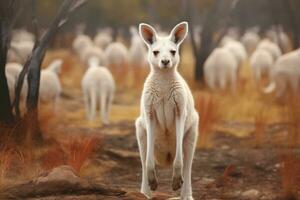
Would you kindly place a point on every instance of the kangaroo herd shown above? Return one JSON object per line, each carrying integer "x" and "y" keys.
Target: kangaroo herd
{"x": 167, "y": 127}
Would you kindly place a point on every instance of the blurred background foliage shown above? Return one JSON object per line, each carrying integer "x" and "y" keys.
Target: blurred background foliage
{"x": 120, "y": 14}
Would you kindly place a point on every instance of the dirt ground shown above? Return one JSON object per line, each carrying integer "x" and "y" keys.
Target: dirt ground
{"x": 224, "y": 172}
{"x": 230, "y": 168}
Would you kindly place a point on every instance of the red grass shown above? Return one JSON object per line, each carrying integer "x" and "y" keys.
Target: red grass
{"x": 260, "y": 128}
{"x": 53, "y": 158}
{"x": 9, "y": 157}
{"x": 293, "y": 113}
{"x": 208, "y": 110}
{"x": 6, "y": 158}
{"x": 75, "y": 152}
{"x": 79, "y": 150}
{"x": 290, "y": 174}
{"x": 225, "y": 179}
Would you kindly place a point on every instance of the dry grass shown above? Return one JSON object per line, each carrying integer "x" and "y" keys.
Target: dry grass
{"x": 293, "y": 115}
{"x": 243, "y": 106}
{"x": 69, "y": 150}
{"x": 79, "y": 150}
{"x": 54, "y": 157}
{"x": 260, "y": 125}
{"x": 17, "y": 164}
{"x": 75, "y": 152}
{"x": 6, "y": 158}
{"x": 208, "y": 110}
{"x": 290, "y": 176}
{"x": 225, "y": 179}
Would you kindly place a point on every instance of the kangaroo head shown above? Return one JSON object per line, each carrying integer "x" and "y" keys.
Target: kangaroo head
{"x": 163, "y": 52}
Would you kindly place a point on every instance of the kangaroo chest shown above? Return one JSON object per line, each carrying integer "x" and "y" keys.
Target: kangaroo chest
{"x": 164, "y": 113}
{"x": 164, "y": 105}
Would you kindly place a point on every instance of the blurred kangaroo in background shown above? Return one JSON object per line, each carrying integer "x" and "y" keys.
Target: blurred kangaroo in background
{"x": 167, "y": 128}
{"x": 98, "y": 87}
{"x": 285, "y": 75}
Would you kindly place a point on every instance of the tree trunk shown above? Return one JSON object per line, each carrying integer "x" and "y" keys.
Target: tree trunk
{"x": 292, "y": 19}
{"x": 33, "y": 65}
{"x": 207, "y": 43}
{"x": 203, "y": 53}
{"x": 6, "y": 115}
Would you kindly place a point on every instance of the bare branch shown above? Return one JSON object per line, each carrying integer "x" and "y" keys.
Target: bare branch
{"x": 76, "y": 5}
{"x": 34, "y": 20}
{"x": 32, "y": 65}
{"x": 6, "y": 10}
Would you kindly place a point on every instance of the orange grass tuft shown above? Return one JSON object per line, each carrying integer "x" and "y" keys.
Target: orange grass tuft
{"x": 293, "y": 114}
{"x": 9, "y": 157}
{"x": 79, "y": 151}
{"x": 208, "y": 111}
{"x": 225, "y": 179}
{"x": 260, "y": 127}
{"x": 53, "y": 158}
{"x": 290, "y": 176}
{"x": 6, "y": 158}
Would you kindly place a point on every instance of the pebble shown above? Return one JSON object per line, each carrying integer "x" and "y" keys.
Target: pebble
{"x": 278, "y": 165}
{"x": 225, "y": 147}
{"x": 250, "y": 194}
{"x": 207, "y": 181}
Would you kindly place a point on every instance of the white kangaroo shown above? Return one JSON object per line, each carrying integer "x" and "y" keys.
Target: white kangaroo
{"x": 50, "y": 86}
{"x": 98, "y": 88}
{"x": 285, "y": 74}
{"x": 167, "y": 127}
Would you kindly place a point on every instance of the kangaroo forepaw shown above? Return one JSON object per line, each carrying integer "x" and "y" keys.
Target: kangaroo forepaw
{"x": 177, "y": 183}
{"x": 152, "y": 180}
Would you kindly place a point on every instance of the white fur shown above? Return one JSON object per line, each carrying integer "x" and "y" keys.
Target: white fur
{"x": 98, "y": 88}
{"x": 285, "y": 42}
{"x": 221, "y": 69}
{"x": 278, "y": 36}
{"x": 261, "y": 62}
{"x": 103, "y": 39}
{"x": 116, "y": 54}
{"x": 285, "y": 74}
{"x": 93, "y": 51}
{"x": 81, "y": 43}
{"x": 19, "y": 51}
{"x": 22, "y": 35}
{"x": 13, "y": 69}
{"x": 50, "y": 86}
{"x": 137, "y": 51}
{"x": 12, "y": 72}
{"x": 250, "y": 40}
{"x": 271, "y": 47}
{"x": 167, "y": 128}
{"x": 11, "y": 87}
{"x": 238, "y": 51}
{"x": 226, "y": 39}
{"x": 233, "y": 32}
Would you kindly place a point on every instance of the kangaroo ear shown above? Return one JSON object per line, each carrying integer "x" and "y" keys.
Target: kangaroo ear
{"x": 147, "y": 33}
{"x": 179, "y": 32}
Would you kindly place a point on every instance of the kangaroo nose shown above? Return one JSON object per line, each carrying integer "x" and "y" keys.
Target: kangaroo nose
{"x": 165, "y": 62}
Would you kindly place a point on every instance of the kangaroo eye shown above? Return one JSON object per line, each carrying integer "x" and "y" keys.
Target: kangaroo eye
{"x": 173, "y": 52}
{"x": 155, "y": 53}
